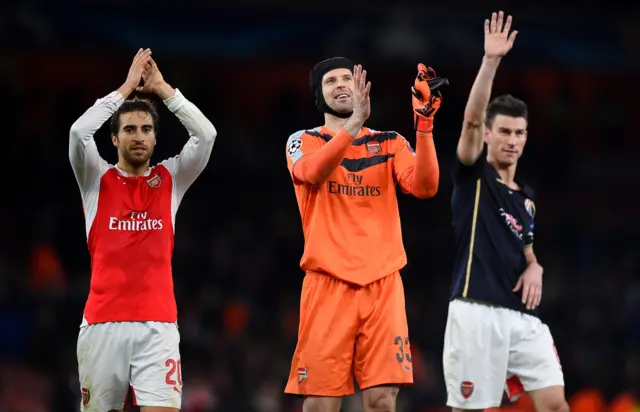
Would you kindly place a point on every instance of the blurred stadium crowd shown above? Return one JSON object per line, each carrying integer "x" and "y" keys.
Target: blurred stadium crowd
{"x": 238, "y": 235}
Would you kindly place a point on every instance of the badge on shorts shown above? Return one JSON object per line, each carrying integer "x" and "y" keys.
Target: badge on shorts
{"x": 302, "y": 375}
{"x": 86, "y": 396}
{"x": 373, "y": 148}
{"x": 466, "y": 388}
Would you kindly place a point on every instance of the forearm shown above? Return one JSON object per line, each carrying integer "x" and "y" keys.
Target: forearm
{"x": 317, "y": 167}
{"x": 426, "y": 172}
{"x": 481, "y": 91}
{"x": 83, "y": 129}
{"x": 530, "y": 255}
{"x": 196, "y": 123}
{"x": 83, "y": 152}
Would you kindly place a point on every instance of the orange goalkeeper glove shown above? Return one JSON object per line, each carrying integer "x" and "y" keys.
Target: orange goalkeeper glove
{"x": 426, "y": 98}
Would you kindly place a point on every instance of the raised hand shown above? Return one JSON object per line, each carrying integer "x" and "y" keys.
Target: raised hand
{"x": 152, "y": 78}
{"x": 140, "y": 61}
{"x": 497, "y": 40}
{"x": 425, "y": 100}
{"x": 361, "y": 101}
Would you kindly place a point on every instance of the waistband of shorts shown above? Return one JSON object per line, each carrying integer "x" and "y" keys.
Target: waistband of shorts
{"x": 478, "y": 302}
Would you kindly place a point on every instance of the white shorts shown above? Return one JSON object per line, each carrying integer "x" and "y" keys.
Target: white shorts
{"x": 486, "y": 345}
{"x": 116, "y": 357}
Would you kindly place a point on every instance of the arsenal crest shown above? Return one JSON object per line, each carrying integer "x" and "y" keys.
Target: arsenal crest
{"x": 466, "y": 388}
{"x": 373, "y": 148}
{"x": 86, "y": 396}
{"x": 302, "y": 375}
{"x": 154, "y": 182}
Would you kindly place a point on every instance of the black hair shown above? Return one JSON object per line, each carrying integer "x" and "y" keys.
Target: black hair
{"x": 506, "y": 105}
{"x": 134, "y": 105}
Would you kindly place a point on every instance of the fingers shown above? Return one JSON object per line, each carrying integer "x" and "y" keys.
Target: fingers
{"x": 500, "y": 20}
{"x": 512, "y": 37}
{"x": 142, "y": 57}
{"x": 538, "y": 297}
{"x": 507, "y": 25}
{"x": 494, "y": 18}
{"x": 487, "y": 28}
{"x": 518, "y": 285}
{"x": 532, "y": 296}
{"x": 360, "y": 78}
{"x": 357, "y": 71}
{"x": 367, "y": 89}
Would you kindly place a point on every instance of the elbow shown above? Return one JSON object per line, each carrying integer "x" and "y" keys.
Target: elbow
{"x": 426, "y": 191}
{"x": 315, "y": 179}
{"x": 209, "y": 133}
{"x": 473, "y": 120}
{"x": 75, "y": 133}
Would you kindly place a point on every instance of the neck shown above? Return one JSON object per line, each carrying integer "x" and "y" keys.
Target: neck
{"x": 507, "y": 173}
{"x": 133, "y": 170}
{"x": 334, "y": 123}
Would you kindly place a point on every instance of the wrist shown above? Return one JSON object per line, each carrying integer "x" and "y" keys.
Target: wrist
{"x": 424, "y": 125}
{"x": 353, "y": 126}
{"x": 126, "y": 90}
{"x": 164, "y": 91}
{"x": 491, "y": 60}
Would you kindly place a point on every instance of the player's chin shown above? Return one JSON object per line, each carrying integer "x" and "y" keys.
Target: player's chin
{"x": 138, "y": 158}
{"x": 342, "y": 108}
{"x": 509, "y": 160}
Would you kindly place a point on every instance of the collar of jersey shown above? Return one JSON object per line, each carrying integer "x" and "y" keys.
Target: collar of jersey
{"x": 125, "y": 174}
{"x": 324, "y": 130}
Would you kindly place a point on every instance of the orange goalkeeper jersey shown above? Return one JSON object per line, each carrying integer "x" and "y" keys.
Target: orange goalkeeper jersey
{"x": 351, "y": 221}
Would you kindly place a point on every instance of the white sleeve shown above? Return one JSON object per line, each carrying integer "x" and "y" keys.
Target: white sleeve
{"x": 86, "y": 162}
{"x": 193, "y": 158}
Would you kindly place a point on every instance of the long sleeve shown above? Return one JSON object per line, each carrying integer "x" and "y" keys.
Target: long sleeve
{"x": 195, "y": 154}
{"x": 314, "y": 163}
{"x": 85, "y": 160}
{"x": 417, "y": 172}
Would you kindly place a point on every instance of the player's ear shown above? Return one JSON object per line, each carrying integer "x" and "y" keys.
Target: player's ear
{"x": 114, "y": 139}
{"x": 486, "y": 134}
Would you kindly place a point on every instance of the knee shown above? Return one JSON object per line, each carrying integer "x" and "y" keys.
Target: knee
{"x": 380, "y": 399}
{"x": 321, "y": 404}
{"x": 558, "y": 406}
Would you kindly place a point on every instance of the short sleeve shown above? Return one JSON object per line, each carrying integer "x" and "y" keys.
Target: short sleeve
{"x": 300, "y": 144}
{"x": 531, "y": 210}
{"x": 463, "y": 173}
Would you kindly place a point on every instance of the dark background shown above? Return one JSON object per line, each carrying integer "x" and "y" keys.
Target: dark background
{"x": 239, "y": 238}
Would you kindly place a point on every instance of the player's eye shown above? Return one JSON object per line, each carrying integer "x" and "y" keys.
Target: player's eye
{"x": 147, "y": 129}
{"x": 129, "y": 129}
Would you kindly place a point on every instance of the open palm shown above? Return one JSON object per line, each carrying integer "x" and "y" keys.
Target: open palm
{"x": 497, "y": 40}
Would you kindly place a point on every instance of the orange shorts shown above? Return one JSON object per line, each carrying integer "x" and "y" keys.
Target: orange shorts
{"x": 349, "y": 331}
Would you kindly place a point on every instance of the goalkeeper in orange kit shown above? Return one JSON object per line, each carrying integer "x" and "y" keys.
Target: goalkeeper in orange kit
{"x": 352, "y": 312}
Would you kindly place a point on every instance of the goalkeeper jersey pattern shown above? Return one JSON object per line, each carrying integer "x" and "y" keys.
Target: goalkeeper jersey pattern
{"x": 351, "y": 222}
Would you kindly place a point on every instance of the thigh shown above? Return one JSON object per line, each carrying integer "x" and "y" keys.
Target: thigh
{"x": 533, "y": 357}
{"x": 323, "y": 358}
{"x": 103, "y": 366}
{"x": 475, "y": 355}
{"x": 156, "y": 367}
{"x": 383, "y": 352}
